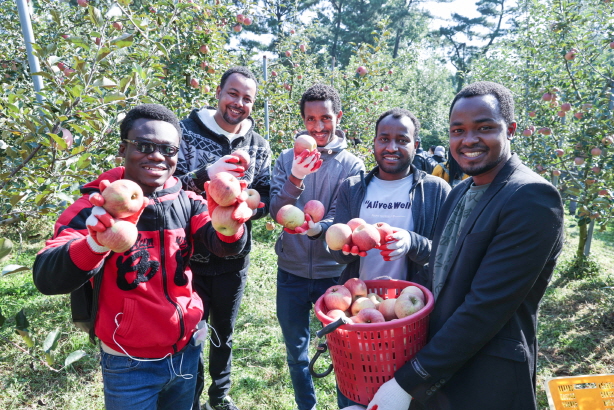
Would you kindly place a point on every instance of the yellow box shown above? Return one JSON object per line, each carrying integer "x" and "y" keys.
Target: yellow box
{"x": 595, "y": 392}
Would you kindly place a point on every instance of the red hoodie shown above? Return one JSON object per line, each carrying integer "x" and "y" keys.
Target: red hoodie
{"x": 147, "y": 307}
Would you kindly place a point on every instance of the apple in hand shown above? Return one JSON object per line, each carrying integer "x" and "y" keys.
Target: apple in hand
{"x": 360, "y": 304}
{"x": 253, "y": 198}
{"x": 370, "y": 315}
{"x": 222, "y": 221}
{"x": 244, "y": 158}
{"x": 355, "y": 222}
{"x": 224, "y": 189}
{"x": 119, "y": 237}
{"x": 406, "y": 305}
{"x": 338, "y": 235}
{"x": 366, "y": 237}
{"x": 413, "y": 291}
{"x": 315, "y": 209}
{"x": 337, "y": 297}
{"x": 122, "y": 198}
{"x": 304, "y": 142}
{"x": 386, "y": 308}
{"x": 384, "y": 230}
{"x": 290, "y": 216}
{"x": 357, "y": 288}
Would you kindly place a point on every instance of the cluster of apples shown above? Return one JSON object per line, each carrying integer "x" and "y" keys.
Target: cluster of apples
{"x": 358, "y": 233}
{"x": 352, "y": 300}
{"x": 291, "y": 217}
{"x": 235, "y": 202}
{"x": 122, "y": 199}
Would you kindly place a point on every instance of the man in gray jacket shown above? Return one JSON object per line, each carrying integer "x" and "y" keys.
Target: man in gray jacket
{"x": 305, "y": 267}
{"x": 395, "y": 192}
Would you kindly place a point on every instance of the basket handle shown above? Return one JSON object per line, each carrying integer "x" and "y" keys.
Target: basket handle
{"x": 343, "y": 320}
{"x": 322, "y": 348}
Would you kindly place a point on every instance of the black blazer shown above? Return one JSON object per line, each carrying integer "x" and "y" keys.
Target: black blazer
{"x": 482, "y": 345}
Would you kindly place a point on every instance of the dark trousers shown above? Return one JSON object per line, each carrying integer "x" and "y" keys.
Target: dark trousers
{"x": 221, "y": 297}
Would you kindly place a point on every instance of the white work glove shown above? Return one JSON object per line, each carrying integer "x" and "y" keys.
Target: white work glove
{"x": 396, "y": 245}
{"x": 228, "y": 163}
{"x": 306, "y": 163}
{"x": 314, "y": 228}
{"x": 200, "y": 336}
{"x": 98, "y": 221}
{"x": 390, "y": 396}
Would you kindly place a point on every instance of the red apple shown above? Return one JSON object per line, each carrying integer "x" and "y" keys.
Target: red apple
{"x": 527, "y": 132}
{"x": 97, "y": 41}
{"x": 122, "y": 198}
{"x": 595, "y": 152}
{"x": 357, "y": 287}
{"x": 578, "y": 115}
{"x": 362, "y": 71}
{"x": 390, "y": 72}
{"x": 237, "y": 27}
{"x": 604, "y": 192}
{"x": 554, "y": 104}
{"x": 338, "y": 235}
{"x": 571, "y": 54}
{"x": 559, "y": 152}
{"x": 532, "y": 114}
{"x": 596, "y": 169}
{"x": 253, "y": 198}
{"x": 194, "y": 83}
{"x": 222, "y": 222}
{"x": 287, "y": 86}
{"x": 288, "y": 53}
{"x": 206, "y": 89}
{"x": 82, "y": 3}
{"x": 407, "y": 305}
{"x": 68, "y": 138}
{"x": 612, "y": 44}
{"x": 117, "y": 25}
{"x": 545, "y": 131}
{"x": 224, "y": 189}
{"x": 119, "y": 237}
{"x": 240, "y": 18}
{"x": 315, "y": 209}
{"x": 304, "y": 142}
{"x": 384, "y": 230}
{"x": 413, "y": 291}
{"x": 590, "y": 181}
{"x": 578, "y": 160}
{"x": 361, "y": 303}
{"x": 547, "y": 97}
{"x": 247, "y": 21}
{"x": 375, "y": 298}
{"x": 556, "y": 172}
{"x": 335, "y": 314}
{"x": 386, "y": 308}
{"x": 607, "y": 140}
{"x": 565, "y": 107}
{"x": 366, "y": 237}
{"x": 355, "y": 222}
{"x": 290, "y": 216}
{"x": 61, "y": 66}
{"x": 561, "y": 113}
{"x": 269, "y": 226}
{"x": 273, "y": 73}
{"x": 303, "y": 48}
{"x": 292, "y": 31}
{"x": 204, "y": 49}
{"x": 337, "y": 297}
{"x": 370, "y": 315}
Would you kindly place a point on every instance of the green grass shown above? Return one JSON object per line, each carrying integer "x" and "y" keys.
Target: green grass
{"x": 576, "y": 332}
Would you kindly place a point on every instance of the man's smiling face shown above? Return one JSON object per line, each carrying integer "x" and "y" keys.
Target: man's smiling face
{"x": 394, "y": 147}
{"x": 151, "y": 170}
{"x": 236, "y": 100}
{"x": 479, "y": 137}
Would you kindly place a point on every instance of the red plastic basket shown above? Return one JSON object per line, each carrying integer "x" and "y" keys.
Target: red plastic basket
{"x": 365, "y": 356}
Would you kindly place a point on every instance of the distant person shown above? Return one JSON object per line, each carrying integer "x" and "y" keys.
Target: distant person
{"x": 422, "y": 161}
{"x": 439, "y": 154}
{"x": 147, "y": 310}
{"x": 496, "y": 243}
{"x": 431, "y": 150}
{"x": 450, "y": 171}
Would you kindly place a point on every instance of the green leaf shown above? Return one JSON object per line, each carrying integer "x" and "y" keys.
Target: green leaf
{"x": 96, "y": 16}
{"x": 124, "y": 40}
{"x": 84, "y": 161}
{"x": 58, "y": 140}
{"x": 74, "y": 356}
{"x": 15, "y": 198}
{"x": 125, "y": 2}
{"x": 21, "y": 321}
{"x": 105, "y": 51}
{"x": 114, "y": 97}
{"x": 105, "y": 83}
{"x": 79, "y": 42}
{"x": 51, "y": 341}
{"x": 44, "y": 74}
{"x": 6, "y": 246}
{"x": 2, "y": 318}
{"x": 8, "y": 269}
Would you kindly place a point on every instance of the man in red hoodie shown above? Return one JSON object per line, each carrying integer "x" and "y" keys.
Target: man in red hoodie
{"x": 147, "y": 311}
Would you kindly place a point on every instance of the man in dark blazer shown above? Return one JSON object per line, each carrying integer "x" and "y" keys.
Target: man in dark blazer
{"x": 495, "y": 247}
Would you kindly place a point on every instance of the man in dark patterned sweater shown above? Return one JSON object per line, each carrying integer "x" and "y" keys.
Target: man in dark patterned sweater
{"x": 210, "y": 136}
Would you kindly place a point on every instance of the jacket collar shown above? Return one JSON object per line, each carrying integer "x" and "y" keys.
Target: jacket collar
{"x": 196, "y": 118}
{"x": 334, "y": 147}
{"x": 171, "y": 186}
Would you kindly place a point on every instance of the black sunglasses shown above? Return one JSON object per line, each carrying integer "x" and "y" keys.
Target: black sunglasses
{"x": 150, "y": 147}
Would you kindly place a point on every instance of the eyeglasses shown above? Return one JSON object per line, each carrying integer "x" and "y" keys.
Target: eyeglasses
{"x": 150, "y": 147}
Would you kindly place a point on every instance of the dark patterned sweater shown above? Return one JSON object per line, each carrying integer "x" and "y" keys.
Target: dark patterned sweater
{"x": 200, "y": 148}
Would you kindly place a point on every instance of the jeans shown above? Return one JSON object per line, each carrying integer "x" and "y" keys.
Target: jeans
{"x": 343, "y": 402}
{"x": 221, "y": 295}
{"x": 295, "y": 299}
{"x": 136, "y": 384}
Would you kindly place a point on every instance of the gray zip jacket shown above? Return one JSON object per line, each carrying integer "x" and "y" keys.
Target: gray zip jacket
{"x": 426, "y": 195}
{"x": 298, "y": 254}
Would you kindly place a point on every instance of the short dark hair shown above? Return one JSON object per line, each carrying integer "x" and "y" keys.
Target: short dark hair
{"x": 150, "y": 112}
{"x": 244, "y": 71}
{"x": 500, "y": 92}
{"x": 432, "y": 148}
{"x": 398, "y": 113}
{"x": 321, "y": 92}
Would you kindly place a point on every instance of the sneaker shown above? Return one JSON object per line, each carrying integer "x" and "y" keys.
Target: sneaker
{"x": 226, "y": 404}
